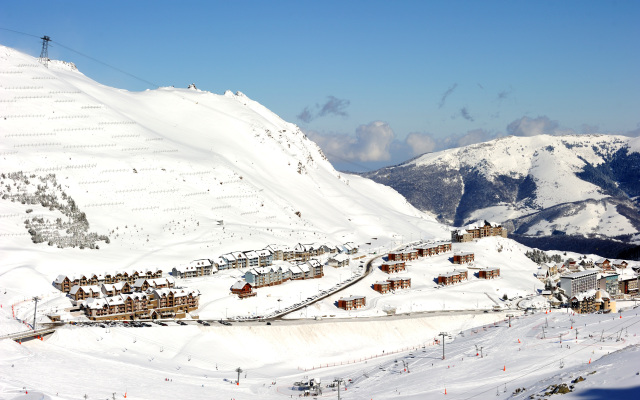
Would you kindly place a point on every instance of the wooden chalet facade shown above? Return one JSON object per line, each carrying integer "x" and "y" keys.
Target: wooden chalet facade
{"x": 153, "y": 304}
{"x": 113, "y": 289}
{"x": 393, "y": 267}
{"x": 489, "y": 273}
{"x": 592, "y": 301}
{"x": 280, "y": 273}
{"x": 452, "y": 278}
{"x": 432, "y": 249}
{"x": 79, "y": 293}
{"x": 64, "y": 283}
{"x": 352, "y": 302}
{"x": 463, "y": 258}
{"x": 399, "y": 283}
{"x": 407, "y": 255}
{"x": 242, "y": 289}
{"x": 382, "y": 286}
{"x": 196, "y": 268}
{"x": 141, "y": 285}
{"x": 339, "y": 260}
{"x": 479, "y": 230}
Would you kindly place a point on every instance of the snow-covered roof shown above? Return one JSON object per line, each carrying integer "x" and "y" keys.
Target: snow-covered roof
{"x": 579, "y": 274}
{"x": 239, "y": 285}
{"x": 203, "y": 262}
{"x": 351, "y": 298}
{"x": 340, "y": 257}
{"x": 399, "y": 278}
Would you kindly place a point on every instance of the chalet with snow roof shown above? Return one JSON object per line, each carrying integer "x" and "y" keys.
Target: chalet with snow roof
{"x": 276, "y": 251}
{"x": 405, "y": 255}
{"x": 592, "y": 301}
{"x": 242, "y": 289}
{"x": 350, "y": 248}
{"x": 253, "y": 260}
{"x": 143, "y": 284}
{"x": 157, "y": 303}
{"x": 169, "y": 303}
{"x": 352, "y": 302}
{"x": 114, "y": 289}
{"x": 224, "y": 262}
{"x": 489, "y": 273}
{"x": 461, "y": 236}
{"x": 204, "y": 266}
{"x": 265, "y": 258}
{"x": 433, "y": 248}
{"x": 339, "y": 260}
{"x": 185, "y": 271}
{"x": 281, "y": 252}
{"x": 382, "y": 286}
{"x": 392, "y": 267}
{"x": 262, "y": 276}
{"x": 317, "y": 270}
{"x": 478, "y": 230}
{"x": 604, "y": 264}
{"x": 301, "y": 252}
{"x": 622, "y": 265}
{"x": 399, "y": 283}
{"x": 296, "y": 272}
{"x": 463, "y": 258}
{"x": 452, "y": 278}
{"x": 79, "y": 293}
{"x": 196, "y": 268}
{"x": 62, "y": 283}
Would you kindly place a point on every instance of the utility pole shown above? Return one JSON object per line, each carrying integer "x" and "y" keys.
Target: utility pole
{"x": 443, "y": 334}
{"x": 238, "y": 370}
{"x": 35, "y": 309}
{"x": 44, "y": 54}
{"x": 338, "y": 380}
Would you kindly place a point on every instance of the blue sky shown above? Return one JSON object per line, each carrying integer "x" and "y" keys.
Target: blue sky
{"x": 373, "y": 82}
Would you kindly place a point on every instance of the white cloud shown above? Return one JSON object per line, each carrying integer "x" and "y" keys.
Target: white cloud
{"x": 526, "y": 126}
{"x": 371, "y": 143}
{"x": 420, "y": 143}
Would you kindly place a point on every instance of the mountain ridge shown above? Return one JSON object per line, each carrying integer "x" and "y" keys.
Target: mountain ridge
{"x": 584, "y": 185}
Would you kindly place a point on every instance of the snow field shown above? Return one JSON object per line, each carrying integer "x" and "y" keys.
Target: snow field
{"x": 516, "y": 357}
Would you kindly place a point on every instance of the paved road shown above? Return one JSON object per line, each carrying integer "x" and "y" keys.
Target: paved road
{"x": 368, "y": 270}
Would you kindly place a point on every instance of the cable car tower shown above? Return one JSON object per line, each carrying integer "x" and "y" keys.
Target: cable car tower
{"x": 44, "y": 54}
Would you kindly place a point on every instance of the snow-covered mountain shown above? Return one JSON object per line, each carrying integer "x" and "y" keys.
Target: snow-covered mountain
{"x": 166, "y": 175}
{"x": 543, "y": 185}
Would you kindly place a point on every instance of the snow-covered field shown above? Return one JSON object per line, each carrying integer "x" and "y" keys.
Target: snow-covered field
{"x": 200, "y": 362}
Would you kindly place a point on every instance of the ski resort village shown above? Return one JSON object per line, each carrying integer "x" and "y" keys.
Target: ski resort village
{"x": 179, "y": 244}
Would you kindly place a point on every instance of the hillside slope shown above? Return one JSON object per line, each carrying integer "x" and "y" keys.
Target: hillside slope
{"x": 165, "y": 176}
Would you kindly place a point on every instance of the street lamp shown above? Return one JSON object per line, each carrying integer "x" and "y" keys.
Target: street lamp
{"x": 443, "y": 334}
